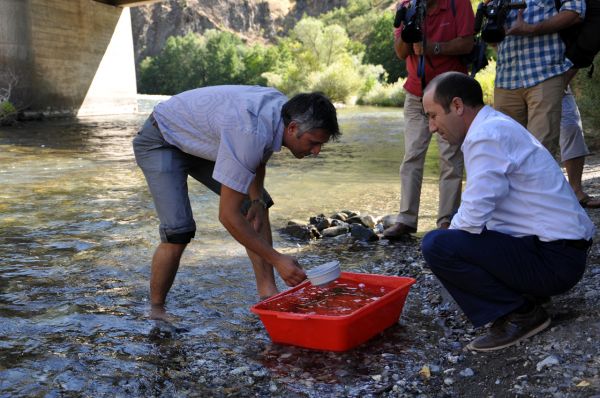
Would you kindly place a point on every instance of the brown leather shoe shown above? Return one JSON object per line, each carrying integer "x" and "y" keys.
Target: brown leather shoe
{"x": 510, "y": 329}
{"x": 398, "y": 231}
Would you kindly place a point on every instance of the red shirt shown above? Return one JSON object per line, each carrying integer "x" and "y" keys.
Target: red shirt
{"x": 441, "y": 25}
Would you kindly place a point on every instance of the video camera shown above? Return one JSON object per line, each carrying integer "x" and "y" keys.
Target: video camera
{"x": 411, "y": 15}
{"x": 492, "y": 17}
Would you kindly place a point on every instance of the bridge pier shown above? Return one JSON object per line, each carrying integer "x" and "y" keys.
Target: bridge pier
{"x": 71, "y": 57}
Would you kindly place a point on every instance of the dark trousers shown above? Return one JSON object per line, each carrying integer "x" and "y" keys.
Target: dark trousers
{"x": 488, "y": 274}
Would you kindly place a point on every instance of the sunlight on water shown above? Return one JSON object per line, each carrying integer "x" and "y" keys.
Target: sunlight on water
{"x": 77, "y": 232}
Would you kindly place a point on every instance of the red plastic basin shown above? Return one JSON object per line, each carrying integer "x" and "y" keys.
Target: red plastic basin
{"x": 340, "y": 332}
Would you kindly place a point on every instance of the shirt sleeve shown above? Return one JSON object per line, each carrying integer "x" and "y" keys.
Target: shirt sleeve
{"x": 487, "y": 165}
{"x": 574, "y": 5}
{"x": 239, "y": 155}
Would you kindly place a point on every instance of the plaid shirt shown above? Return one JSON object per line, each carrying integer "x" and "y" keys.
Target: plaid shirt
{"x": 525, "y": 61}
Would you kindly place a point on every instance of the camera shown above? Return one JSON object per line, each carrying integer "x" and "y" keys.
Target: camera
{"x": 411, "y": 15}
{"x": 491, "y": 17}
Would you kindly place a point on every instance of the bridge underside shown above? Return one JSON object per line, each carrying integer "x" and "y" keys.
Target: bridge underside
{"x": 71, "y": 57}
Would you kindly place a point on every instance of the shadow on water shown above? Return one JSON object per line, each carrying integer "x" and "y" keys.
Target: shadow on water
{"x": 77, "y": 231}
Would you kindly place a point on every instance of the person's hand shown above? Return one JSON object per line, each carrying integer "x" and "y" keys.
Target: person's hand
{"x": 418, "y": 48}
{"x": 520, "y": 27}
{"x": 289, "y": 270}
{"x": 256, "y": 216}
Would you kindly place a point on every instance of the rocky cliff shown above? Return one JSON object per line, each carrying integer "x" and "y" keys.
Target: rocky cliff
{"x": 253, "y": 20}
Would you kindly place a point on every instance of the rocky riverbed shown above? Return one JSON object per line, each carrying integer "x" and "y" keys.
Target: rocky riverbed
{"x": 421, "y": 356}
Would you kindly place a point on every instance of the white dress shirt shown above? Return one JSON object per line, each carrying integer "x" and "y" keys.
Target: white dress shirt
{"x": 237, "y": 127}
{"x": 514, "y": 186}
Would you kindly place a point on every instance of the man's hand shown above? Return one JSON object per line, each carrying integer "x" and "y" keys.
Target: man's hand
{"x": 417, "y": 48}
{"x": 520, "y": 27}
{"x": 289, "y": 270}
{"x": 256, "y": 216}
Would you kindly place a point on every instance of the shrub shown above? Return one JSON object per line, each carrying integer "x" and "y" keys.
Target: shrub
{"x": 392, "y": 94}
{"x": 486, "y": 78}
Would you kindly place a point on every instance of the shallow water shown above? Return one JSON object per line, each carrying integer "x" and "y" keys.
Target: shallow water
{"x": 77, "y": 231}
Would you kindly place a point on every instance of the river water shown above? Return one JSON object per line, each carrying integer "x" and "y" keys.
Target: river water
{"x": 77, "y": 231}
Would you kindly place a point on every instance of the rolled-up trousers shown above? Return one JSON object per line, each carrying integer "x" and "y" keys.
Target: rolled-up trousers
{"x": 489, "y": 274}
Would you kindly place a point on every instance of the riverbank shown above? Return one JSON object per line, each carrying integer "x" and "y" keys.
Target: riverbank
{"x": 425, "y": 356}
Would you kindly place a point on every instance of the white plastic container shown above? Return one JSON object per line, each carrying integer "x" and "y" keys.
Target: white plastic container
{"x": 324, "y": 273}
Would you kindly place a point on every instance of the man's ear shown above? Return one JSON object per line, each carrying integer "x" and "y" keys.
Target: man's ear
{"x": 458, "y": 105}
{"x": 292, "y": 128}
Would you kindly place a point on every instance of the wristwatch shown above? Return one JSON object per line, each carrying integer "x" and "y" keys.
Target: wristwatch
{"x": 260, "y": 202}
{"x": 437, "y": 49}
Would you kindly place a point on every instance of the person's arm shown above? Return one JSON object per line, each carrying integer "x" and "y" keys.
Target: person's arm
{"x": 456, "y": 46}
{"x": 560, "y": 21}
{"x": 487, "y": 165}
{"x": 403, "y": 50}
{"x": 257, "y": 211}
{"x": 237, "y": 225}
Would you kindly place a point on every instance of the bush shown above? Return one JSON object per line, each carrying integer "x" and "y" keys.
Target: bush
{"x": 380, "y": 48}
{"x": 486, "y": 78}
{"x": 8, "y": 112}
{"x": 385, "y": 95}
{"x": 587, "y": 93}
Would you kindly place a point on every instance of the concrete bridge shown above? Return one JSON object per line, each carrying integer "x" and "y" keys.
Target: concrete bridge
{"x": 69, "y": 57}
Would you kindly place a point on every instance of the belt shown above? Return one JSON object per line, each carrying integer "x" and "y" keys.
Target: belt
{"x": 580, "y": 244}
{"x": 153, "y": 121}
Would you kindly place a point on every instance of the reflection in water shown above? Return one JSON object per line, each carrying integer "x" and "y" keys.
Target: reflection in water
{"x": 77, "y": 230}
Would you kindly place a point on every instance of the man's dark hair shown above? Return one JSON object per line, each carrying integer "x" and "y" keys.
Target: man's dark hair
{"x": 311, "y": 111}
{"x": 450, "y": 85}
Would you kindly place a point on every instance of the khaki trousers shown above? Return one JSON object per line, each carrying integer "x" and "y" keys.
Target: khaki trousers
{"x": 537, "y": 108}
{"x": 416, "y": 142}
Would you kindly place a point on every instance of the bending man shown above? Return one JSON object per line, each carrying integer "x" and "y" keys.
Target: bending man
{"x": 223, "y": 137}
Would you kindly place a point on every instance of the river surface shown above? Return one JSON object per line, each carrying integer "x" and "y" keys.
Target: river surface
{"x": 77, "y": 232}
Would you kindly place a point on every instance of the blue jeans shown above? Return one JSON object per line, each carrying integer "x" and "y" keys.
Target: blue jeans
{"x": 488, "y": 274}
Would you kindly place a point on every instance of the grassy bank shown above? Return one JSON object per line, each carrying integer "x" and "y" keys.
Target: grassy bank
{"x": 587, "y": 93}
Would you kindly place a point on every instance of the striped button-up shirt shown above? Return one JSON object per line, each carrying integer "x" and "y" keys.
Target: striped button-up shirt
{"x": 525, "y": 61}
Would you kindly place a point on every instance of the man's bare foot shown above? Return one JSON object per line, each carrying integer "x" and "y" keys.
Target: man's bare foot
{"x": 158, "y": 312}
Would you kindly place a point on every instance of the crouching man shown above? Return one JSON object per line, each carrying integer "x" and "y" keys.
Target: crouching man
{"x": 519, "y": 234}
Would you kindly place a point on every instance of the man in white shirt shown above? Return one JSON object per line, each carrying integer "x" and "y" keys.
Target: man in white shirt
{"x": 519, "y": 233}
{"x": 223, "y": 137}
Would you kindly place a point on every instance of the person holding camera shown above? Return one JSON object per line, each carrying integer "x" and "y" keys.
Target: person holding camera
{"x": 531, "y": 66}
{"x": 431, "y": 36}
{"x": 519, "y": 236}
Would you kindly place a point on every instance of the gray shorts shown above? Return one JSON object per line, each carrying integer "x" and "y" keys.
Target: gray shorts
{"x": 166, "y": 169}
{"x": 572, "y": 142}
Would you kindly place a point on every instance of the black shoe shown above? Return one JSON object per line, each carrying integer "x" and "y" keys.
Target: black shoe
{"x": 398, "y": 231}
{"x": 510, "y": 329}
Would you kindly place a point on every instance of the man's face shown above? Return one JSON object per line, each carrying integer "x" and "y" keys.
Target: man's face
{"x": 309, "y": 143}
{"x": 450, "y": 126}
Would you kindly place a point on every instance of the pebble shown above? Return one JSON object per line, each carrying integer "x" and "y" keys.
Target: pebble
{"x": 468, "y": 372}
{"x": 547, "y": 362}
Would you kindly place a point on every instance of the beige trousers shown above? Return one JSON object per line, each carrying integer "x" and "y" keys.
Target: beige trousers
{"x": 537, "y": 108}
{"x": 416, "y": 142}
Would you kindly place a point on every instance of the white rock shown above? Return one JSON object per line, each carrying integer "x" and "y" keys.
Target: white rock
{"x": 548, "y": 361}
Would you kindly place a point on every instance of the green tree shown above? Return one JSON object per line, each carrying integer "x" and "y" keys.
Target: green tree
{"x": 224, "y": 58}
{"x": 179, "y": 67}
{"x": 380, "y": 48}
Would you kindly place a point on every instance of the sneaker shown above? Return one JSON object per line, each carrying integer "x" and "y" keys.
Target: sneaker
{"x": 398, "y": 231}
{"x": 510, "y": 329}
